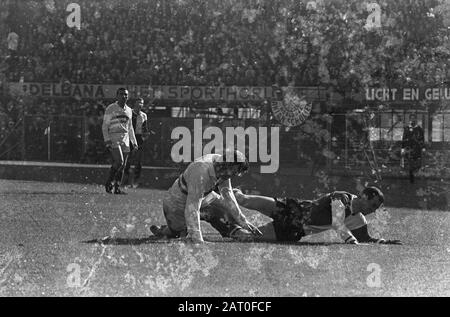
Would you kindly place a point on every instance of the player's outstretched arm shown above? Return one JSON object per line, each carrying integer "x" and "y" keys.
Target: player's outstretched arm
{"x": 192, "y": 217}
{"x": 233, "y": 207}
{"x": 194, "y": 177}
{"x": 362, "y": 234}
{"x": 338, "y": 218}
{"x": 194, "y": 199}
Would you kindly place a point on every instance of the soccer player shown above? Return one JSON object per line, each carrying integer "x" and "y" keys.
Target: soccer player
{"x": 118, "y": 131}
{"x": 204, "y": 181}
{"x": 140, "y": 127}
{"x": 294, "y": 218}
{"x": 413, "y": 145}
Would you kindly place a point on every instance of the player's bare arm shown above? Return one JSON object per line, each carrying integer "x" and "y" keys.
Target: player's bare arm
{"x": 338, "y": 221}
{"x": 235, "y": 211}
{"x": 362, "y": 235}
{"x": 192, "y": 216}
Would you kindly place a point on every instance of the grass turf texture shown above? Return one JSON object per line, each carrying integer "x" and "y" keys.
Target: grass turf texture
{"x": 50, "y": 233}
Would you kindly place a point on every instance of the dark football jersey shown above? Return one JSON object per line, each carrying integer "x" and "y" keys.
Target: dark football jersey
{"x": 294, "y": 214}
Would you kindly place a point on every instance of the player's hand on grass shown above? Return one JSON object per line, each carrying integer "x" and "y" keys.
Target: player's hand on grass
{"x": 351, "y": 240}
{"x": 247, "y": 225}
{"x": 193, "y": 240}
{"x": 253, "y": 229}
{"x": 242, "y": 235}
{"x": 194, "y": 237}
{"x": 396, "y": 242}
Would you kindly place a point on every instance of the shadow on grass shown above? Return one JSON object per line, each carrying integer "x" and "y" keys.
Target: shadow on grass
{"x": 208, "y": 238}
{"x": 293, "y": 243}
{"x": 127, "y": 241}
{"x": 71, "y": 193}
{"x": 149, "y": 240}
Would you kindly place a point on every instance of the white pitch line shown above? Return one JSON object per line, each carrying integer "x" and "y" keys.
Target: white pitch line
{"x": 2, "y": 271}
{"x": 56, "y": 164}
{"x": 95, "y": 266}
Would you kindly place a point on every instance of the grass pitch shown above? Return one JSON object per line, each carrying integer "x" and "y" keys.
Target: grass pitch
{"x": 49, "y": 234}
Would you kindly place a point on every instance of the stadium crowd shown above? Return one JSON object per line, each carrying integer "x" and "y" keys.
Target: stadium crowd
{"x": 157, "y": 42}
{"x": 184, "y": 42}
{"x": 160, "y": 42}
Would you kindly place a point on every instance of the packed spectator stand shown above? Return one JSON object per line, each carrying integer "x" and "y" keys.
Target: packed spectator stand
{"x": 145, "y": 42}
{"x": 164, "y": 42}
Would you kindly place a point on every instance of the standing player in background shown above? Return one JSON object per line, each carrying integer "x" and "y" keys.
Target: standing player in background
{"x": 140, "y": 128}
{"x": 413, "y": 145}
{"x": 118, "y": 131}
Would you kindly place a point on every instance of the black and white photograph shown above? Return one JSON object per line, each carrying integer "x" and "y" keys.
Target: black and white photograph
{"x": 224, "y": 153}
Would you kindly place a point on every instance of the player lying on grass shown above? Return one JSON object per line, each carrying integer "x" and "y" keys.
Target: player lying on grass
{"x": 204, "y": 180}
{"x": 294, "y": 218}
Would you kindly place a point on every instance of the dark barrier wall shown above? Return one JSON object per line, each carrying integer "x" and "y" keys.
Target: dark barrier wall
{"x": 325, "y": 153}
{"x": 331, "y": 142}
{"x": 426, "y": 193}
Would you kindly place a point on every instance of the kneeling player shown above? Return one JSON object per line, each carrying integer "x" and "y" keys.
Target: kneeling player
{"x": 195, "y": 190}
{"x": 294, "y": 218}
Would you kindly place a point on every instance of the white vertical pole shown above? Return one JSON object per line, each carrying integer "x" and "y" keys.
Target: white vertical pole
{"x": 48, "y": 141}
{"x": 346, "y": 142}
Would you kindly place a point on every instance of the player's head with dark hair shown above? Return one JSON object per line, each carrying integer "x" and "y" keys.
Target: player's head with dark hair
{"x": 372, "y": 192}
{"x": 233, "y": 163}
{"x": 121, "y": 90}
{"x": 373, "y": 199}
{"x": 413, "y": 119}
{"x": 138, "y": 103}
{"x": 122, "y": 95}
